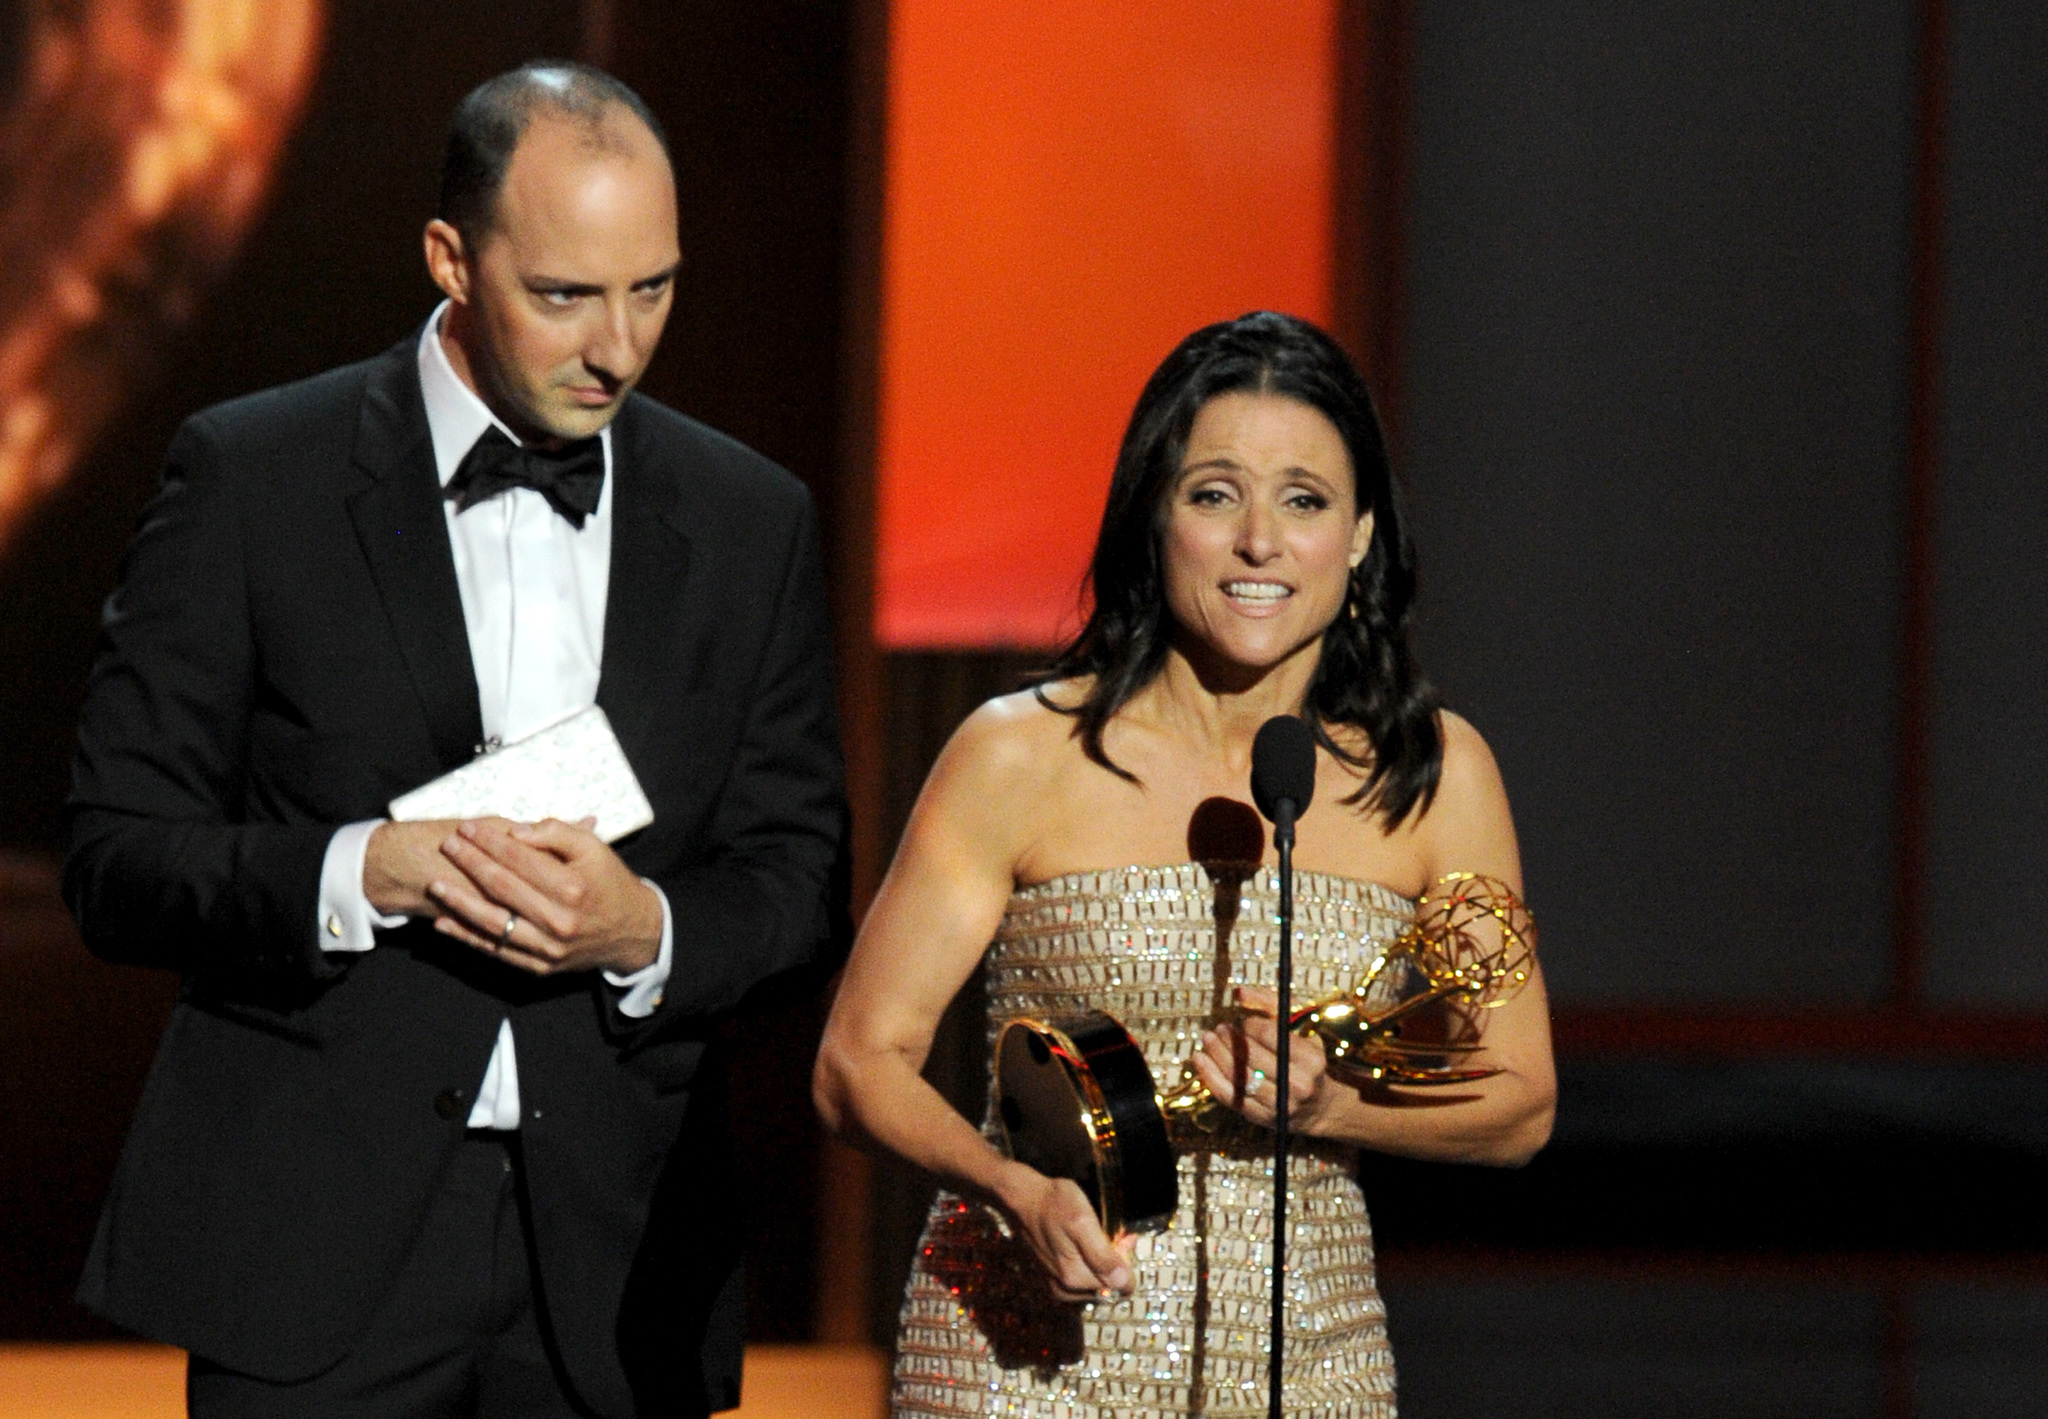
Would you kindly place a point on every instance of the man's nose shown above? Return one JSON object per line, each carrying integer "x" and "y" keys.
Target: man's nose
{"x": 610, "y": 349}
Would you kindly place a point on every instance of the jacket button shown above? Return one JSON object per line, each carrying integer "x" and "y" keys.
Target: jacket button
{"x": 448, "y": 1102}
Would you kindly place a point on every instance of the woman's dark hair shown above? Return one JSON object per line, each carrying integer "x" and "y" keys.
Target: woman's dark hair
{"x": 1367, "y": 677}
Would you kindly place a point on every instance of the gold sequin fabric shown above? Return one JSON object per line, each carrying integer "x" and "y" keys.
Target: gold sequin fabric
{"x": 1159, "y": 948}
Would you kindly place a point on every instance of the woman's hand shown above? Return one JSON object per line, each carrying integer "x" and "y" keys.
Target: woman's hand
{"x": 1063, "y": 1232}
{"x": 1239, "y": 1063}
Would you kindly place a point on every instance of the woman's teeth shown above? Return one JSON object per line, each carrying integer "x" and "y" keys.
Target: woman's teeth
{"x": 1256, "y": 590}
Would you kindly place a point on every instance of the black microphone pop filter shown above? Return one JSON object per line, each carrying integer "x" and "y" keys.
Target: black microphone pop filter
{"x": 1283, "y": 765}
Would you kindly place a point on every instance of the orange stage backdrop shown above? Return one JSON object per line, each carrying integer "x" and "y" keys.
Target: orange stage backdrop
{"x": 1070, "y": 188}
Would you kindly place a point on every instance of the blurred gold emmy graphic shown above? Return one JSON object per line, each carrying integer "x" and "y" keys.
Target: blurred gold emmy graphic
{"x": 1076, "y": 1100}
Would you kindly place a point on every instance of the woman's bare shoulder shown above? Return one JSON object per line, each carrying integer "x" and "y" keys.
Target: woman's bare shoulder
{"x": 1468, "y": 758}
{"x": 984, "y": 799}
{"x": 1468, "y": 826}
{"x": 1014, "y": 740}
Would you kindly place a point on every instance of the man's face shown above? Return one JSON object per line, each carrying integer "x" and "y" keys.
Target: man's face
{"x": 565, "y": 294}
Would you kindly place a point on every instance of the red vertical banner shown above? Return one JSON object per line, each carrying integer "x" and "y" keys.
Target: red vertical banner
{"x": 1070, "y": 188}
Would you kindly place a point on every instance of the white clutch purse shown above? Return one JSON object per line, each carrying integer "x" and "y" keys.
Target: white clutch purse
{"x": 570, "y": 770}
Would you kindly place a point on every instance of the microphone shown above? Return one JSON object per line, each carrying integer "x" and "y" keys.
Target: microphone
{"x": 1283, "y": 772}
{"x": 1283, "y": 782}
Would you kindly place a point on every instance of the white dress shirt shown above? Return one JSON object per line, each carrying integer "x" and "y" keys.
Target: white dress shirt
{"x": 533, "y": 597}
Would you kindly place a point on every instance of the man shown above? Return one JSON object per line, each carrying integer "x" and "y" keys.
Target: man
{"x": 424, "y": 1135}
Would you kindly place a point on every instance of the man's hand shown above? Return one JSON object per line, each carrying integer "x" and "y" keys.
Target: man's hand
{"x": 399, "y": 863}
{"x": 545, "y": 897}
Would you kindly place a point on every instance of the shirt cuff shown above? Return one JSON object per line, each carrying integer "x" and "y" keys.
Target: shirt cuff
{"x": 346, "y": 916}
{"x": 643, "y": 988}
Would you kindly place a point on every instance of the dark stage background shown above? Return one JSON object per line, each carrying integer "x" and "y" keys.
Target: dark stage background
{"x": 1714, "y": 351}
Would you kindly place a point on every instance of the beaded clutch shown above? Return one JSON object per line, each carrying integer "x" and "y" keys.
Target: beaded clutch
{"x": 568, "y": 770}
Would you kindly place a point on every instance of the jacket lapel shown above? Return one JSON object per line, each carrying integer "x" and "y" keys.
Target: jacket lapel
{"x": 645, "y": 617}
{"x": 404, "y": 536}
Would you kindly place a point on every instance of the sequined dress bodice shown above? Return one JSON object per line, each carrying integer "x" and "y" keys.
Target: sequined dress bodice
{"x": 1159, "y": 948}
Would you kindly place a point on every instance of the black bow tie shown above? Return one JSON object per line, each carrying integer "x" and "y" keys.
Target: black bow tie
{"x": 570, "y": 477}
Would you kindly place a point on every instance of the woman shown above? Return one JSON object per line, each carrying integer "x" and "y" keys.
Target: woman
{"x": 1252, "y": 562}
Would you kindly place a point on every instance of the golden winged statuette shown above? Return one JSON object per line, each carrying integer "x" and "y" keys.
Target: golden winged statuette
{"x": 1471, "y": 948}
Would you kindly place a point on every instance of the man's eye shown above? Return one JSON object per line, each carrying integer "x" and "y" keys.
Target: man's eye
{"x": 561, "y": 298}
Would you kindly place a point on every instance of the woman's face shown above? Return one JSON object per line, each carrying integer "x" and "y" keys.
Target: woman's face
{"x": 1262, "y": 528}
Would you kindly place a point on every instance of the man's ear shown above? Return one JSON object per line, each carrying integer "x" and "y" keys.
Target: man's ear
{"x": 447, "y": 260}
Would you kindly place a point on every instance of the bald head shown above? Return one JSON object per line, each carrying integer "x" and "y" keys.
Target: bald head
{"x": 494, "y": 117}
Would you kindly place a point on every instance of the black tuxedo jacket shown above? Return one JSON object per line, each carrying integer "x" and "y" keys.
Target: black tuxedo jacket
{"x": 285, "y": 653}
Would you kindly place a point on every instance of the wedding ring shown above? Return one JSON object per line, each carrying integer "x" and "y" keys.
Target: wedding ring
{"x": 1258, "y": 1075}
{"x": 511, "y": 924}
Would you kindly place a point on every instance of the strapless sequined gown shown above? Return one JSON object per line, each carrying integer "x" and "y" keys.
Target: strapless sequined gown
{"x": 980, "y": 1331}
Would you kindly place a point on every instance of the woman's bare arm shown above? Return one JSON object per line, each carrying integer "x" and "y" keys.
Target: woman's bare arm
{"x": 936, "y": 912}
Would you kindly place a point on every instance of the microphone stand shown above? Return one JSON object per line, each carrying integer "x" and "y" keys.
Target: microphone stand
{"x": 1283, "y": 839}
